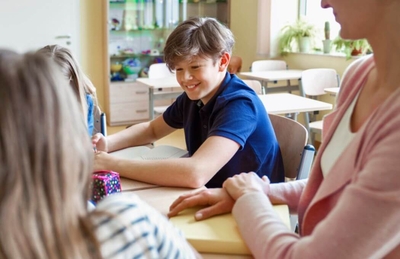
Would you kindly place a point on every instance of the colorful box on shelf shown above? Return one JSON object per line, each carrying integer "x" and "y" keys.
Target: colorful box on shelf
{"x": 104, "y": 183}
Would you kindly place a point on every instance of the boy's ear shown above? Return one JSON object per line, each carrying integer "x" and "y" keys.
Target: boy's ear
{"x": 224, "y": 61}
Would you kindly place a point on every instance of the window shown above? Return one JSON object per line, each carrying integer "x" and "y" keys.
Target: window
{"x": 314, "y": 13}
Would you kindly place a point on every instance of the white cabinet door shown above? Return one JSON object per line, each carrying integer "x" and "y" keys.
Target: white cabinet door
{"x": 31, "y": 24}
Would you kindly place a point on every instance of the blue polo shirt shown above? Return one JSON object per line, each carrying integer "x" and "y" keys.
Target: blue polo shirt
{"x": 234, "y": 112}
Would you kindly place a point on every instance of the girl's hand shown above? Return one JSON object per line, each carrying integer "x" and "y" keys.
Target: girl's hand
{"x": 243, "y": 183}
{"x": 217, "y": 200}
{"x": 99, "y": 142}
{"x": 103, "y": 161}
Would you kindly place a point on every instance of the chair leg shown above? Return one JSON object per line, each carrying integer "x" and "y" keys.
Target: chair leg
{"x": 307, "y": 125}
{"x": 312, "y": 138}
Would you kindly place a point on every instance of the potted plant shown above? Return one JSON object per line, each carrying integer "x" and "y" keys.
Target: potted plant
{"x": 351, "y": 47}
{"x": 299, "y": 34}
{"x": 327, "y": 42}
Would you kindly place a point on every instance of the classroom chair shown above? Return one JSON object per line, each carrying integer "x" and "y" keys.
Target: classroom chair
{"x": 268, "y": 65}
{"x": 235, "y": 65}
{"x": 254, "y": 84}
{"x": 313, "y": 82}
{"x": 297, "y": 155}
{"x": 100, "y": 124}
{"x": 157, "y": 71}
{"x": 292, "y": 137}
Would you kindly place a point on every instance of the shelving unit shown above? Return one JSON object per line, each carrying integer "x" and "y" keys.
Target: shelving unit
{"x": 136, "y": 33}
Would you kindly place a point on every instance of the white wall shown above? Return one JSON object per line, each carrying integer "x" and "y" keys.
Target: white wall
{"x": 31, "y": 24}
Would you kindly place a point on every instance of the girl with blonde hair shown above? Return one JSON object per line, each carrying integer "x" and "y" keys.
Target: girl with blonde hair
{"x": 45, "y": 174}
{"x": 83, "y": 88}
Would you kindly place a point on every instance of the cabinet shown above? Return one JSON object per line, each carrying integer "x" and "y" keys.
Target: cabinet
{"x": 136, "y": 33}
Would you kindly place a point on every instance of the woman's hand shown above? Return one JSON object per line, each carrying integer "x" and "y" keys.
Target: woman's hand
{"x": 100, "y": 142}
{"x": 243, "y": 183}
{"x": 217, "y": 199}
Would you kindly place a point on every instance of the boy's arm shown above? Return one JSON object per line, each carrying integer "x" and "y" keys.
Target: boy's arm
{"x": 139, "y": 134}
{"x": 192, "y": 172}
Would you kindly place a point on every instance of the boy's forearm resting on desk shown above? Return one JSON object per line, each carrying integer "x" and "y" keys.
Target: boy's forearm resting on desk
{"x": 193, "y": 172}
{"x": 178, "y": 172}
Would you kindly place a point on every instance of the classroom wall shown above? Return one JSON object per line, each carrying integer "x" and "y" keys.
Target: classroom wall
{"x": 251, "y": 18}
{"x": 244, "y": 18}
{"x": 93, "y": 44}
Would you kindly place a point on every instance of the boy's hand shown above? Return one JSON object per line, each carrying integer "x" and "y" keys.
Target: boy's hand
{"x": 217, "y": 199}
{"x": 103, "y": 161}
{"x": 243, "y": 183}
{"x": 99, "y": 142}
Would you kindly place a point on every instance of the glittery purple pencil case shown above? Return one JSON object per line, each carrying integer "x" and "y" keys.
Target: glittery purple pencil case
{"x": 104, "y": 183}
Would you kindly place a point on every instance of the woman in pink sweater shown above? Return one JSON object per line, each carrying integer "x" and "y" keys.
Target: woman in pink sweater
{"x": 350, "y": 205}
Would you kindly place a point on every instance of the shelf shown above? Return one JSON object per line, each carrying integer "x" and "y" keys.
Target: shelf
{"x": 138, "y": 30}
{"x": 134, "y": 56}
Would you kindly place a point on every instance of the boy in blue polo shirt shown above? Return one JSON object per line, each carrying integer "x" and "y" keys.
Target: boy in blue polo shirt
{"x": 227, "y": 129}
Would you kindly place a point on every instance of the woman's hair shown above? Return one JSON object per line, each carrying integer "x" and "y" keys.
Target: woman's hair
{"x": 79, "y": 82}
{"x": 203, "y": 37}
{"x": 45, "y": 163}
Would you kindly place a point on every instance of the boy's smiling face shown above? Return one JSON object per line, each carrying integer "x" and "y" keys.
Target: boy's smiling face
{"x": 200, "y": 78}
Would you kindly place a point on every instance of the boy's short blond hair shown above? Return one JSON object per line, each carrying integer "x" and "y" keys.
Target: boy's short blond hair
{"x": 204, "y": 37}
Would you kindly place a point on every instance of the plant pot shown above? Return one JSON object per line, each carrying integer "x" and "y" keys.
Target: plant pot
{"x": 326, "y": 46}
{"x": 305, "y": 44}
{"x": 356, "y": 52}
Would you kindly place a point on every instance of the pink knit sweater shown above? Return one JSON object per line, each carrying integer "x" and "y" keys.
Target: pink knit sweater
{"x": 355, "y": 211}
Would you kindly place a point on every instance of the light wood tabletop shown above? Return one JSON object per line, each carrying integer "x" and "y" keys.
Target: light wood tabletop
{"x": 162, "y": 197}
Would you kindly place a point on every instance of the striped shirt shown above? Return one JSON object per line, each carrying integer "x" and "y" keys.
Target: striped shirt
{"x": 127, "y": 227}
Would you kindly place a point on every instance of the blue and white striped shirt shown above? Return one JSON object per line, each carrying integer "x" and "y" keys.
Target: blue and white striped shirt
{"x": 130, "y": 228}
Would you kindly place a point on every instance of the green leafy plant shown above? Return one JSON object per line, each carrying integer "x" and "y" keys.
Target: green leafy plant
{"x": 351, "y": 47}
{"x": 291, "y": 34}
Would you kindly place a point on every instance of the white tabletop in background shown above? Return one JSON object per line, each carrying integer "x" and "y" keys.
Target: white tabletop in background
{"x": 289, "y": 103}
{"x": 332, "y": 90}
{"x": 167, "y": 82}
{"x": 274, "y": 75}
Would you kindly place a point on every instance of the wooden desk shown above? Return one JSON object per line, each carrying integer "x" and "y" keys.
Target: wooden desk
{"x": 160, "y": 83}
{"x": 162, "y": 197}
{"x": 128, "y": 184}
{"x": 274, "y": 76}
{"x": 131, "y": 185}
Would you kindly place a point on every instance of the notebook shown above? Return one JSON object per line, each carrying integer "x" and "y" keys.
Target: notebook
{"x": 150, "y": 153}
{"x": 218, "y": 234}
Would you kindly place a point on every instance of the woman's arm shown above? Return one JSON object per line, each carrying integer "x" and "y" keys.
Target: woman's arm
{"x": 287, "y": 193}
{"x": 364, "y": 222}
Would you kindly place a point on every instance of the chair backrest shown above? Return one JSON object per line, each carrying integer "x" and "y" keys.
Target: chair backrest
{"x": 100, "y": 125}
{"x": 266, "y": 65}
{"x": 292, "y": 138}
{"x": 159, "y": 70}
{"x": 235, "y": 65}
{"x": 254, "y": 84}
{"x": 315, "y": 80}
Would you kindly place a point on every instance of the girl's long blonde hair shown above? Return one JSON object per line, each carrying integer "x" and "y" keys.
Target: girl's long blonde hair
{"x": 79, "y": 82}
{"x": 45, "y": 163}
